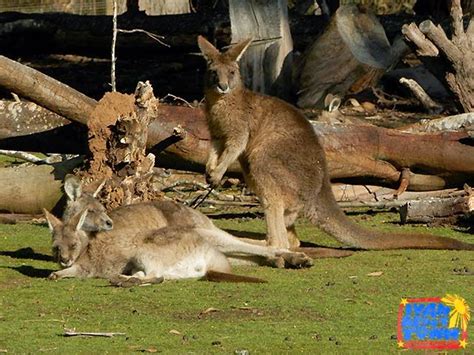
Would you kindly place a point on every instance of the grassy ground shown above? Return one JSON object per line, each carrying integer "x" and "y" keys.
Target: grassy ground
{"x": 333, "y": 307}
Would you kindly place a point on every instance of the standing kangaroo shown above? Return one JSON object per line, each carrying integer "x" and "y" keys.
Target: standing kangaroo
{"x": 282, "y": 160}
{"x": 128, "y": 259}
{"x": 144, "y": 218}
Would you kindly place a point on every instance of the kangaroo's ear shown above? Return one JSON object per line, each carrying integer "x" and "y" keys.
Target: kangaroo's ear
{"x": 53, "y": 221}
{"x": 208, "y": 50}
{"x": 80, "y": 219}
{"x": 237, "y": 50}
{"x": 72, "y": 187}
{"x": 96, "y": 192}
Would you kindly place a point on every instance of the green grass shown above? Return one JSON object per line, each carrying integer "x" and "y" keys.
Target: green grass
{"x": 333, "y": 307}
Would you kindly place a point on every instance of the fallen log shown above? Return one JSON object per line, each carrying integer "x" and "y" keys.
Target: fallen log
{"x": 356, "y": 154}
{"x": 45, "y": 91}
{"x": 438, "y": 210}
{"x": 29, "y": 188}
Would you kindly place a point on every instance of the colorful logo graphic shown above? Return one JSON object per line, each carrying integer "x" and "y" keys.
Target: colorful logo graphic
{"x": 433, "y": 323}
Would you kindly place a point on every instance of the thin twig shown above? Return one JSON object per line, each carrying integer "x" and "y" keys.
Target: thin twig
{"x": 174, "y": 97}
{"x": 114, "y": 41}
{"x": 198, "y": 203}
{"x": 428, "y": 103}
{"x": 15, "y": 97}
{"x": 21, "y": 155}
{"x": 73, "y": 333}
{"x": 153, "y": 36}
{"x": 232, "y": 203}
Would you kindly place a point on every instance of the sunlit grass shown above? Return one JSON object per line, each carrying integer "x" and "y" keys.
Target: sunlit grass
{"x": 332, "y": 307}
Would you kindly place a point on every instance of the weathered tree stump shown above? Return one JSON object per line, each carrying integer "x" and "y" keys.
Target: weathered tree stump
{"x": 118, "y": 132}
{"x": 351, "y": 55}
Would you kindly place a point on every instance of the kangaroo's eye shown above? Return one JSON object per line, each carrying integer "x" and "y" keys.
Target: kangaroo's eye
{"x": 74, "y": 246}
{"x": 232, "y": 72}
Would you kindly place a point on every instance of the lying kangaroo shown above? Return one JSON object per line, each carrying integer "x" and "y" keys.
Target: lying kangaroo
{"x": 282, "y": 160}
{"x": 129, "y": 259}
{"x": 143, "y": 218}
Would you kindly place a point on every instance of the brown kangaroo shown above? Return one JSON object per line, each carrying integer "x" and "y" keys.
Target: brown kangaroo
{"x": 282, "y": 160}
{"x": 129, "y": 259}
{"x": 147, "y": 217}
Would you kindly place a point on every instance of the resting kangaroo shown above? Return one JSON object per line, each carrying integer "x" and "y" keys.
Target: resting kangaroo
{"x": 143, "y": 218}
{"x": 282, "y": 160}
{"x": 167, "y": 253}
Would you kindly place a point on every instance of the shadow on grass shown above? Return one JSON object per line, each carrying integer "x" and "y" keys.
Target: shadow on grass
{"x": 26, "y": 253}
{"x": 31, "y": 271}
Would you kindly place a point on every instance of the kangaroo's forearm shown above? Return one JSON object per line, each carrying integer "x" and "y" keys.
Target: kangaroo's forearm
{"x": 233, "y": 149}
{"x": 213, "y": 155}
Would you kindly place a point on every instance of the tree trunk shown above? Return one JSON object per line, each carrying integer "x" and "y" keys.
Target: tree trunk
{"x": 351, "y": 55}
{"x": 267, "y": 64}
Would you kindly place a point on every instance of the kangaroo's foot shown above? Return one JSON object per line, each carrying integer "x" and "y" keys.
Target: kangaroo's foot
{"x": 130, "y": 281}
{"x": 290, "y": 260}
{"x": 54, "y": 276}
{"x": 296, "y": 260}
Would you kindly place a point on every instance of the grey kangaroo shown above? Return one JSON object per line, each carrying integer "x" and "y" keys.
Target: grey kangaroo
{"x": 131, "y": 259}
{"x": 282, "y": 160}
{"x": 147, "y": 217}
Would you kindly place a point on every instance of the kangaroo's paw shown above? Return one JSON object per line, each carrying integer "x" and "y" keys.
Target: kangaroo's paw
{"x": 154, "y": 280}
{"x": 54, "y": 276}
{"x": 296, "y": 260}
{"x": 276, "y": 261}
{"x": 125, "y": 281}
{"x": 130, "y": 281}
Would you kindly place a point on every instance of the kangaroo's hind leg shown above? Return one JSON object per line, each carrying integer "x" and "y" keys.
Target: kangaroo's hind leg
{"x": 290, "y": 218}
{"x": 234, "y": 247}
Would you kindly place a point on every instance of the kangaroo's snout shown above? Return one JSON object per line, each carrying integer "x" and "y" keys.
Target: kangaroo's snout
{"x": 223, "y": 88}
{"x": 65, "y": 263}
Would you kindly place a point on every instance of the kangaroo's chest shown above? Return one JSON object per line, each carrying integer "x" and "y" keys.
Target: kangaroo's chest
{"x": 225, "y": 119}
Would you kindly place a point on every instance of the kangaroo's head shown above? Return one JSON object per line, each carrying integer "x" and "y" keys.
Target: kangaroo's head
{"x": 223, "y": 74}
{"x": 69, "y": 240}
{"x": 79, "y": 201}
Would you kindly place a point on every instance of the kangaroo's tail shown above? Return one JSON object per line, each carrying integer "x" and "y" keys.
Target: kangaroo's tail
{"x": 325, "y": 213}
{"x": 217, "y": 276}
